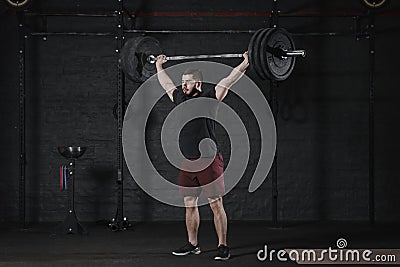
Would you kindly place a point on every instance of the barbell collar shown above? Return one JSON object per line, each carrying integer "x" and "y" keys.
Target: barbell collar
{"x": 151, "y": 59}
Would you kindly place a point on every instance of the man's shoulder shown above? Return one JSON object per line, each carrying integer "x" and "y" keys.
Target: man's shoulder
{"x": 177, "y": 95}
{"x": 208, "y": 90}
{"x": 208, "y": 86}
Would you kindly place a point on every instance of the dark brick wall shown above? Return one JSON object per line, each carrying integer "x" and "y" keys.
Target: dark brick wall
{"x": 322, "y": 120}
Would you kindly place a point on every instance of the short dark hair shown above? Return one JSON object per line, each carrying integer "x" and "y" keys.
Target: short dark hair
{"x": 197, "y": 75}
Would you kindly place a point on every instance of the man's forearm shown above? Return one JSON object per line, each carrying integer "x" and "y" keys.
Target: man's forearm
{"x": 225, "y": 84}
{"x": 164, "y": 79}
{"x": 235, "y": 75}
{"x": 238, "y": 72}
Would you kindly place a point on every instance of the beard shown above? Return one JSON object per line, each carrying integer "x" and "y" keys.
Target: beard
{"x": 194, "y": 91}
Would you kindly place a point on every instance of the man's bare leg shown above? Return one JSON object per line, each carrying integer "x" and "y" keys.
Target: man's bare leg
{"x": 192, "y": 219}
{"x": 220, "y": 220}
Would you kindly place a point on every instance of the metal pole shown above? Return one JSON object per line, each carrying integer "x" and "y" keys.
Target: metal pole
{"x": 274, "y": 23}
{"x": 292, "y": 53}
{"x": 119, "y": 222}
{"x": 100, "y": 34}
{"x": 109, "y": 15}
{"x": 274, "y": 182}
{"x": 72, "y": 34}
{"x": 22, "y": 98}
{"x": 204, "y": 56}
{"x": 300, "y": 14}
{"x": 317, "y": 34}
{"x": 190, "y": 31}
{"x": 372, "y": 120}
{"x": 71, "y": 190}
{"x": 120, "y": 114}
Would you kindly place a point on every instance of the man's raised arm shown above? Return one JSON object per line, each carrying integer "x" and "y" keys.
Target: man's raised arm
{"x": 163, "y": 77}
{"x": 221, "y": 89}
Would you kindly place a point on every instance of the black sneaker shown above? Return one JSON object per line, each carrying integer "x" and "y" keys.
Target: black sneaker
{"x": 187, "y": 249}
{"x": 223, "y": 253}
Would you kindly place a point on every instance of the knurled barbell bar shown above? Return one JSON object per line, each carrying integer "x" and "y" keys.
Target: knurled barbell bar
{"x": 152, "y": 59}
{"x": 271, "y": 54}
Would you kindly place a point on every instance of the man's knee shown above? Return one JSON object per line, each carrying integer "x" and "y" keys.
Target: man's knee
{"x": 216, "y": 204}
{"x": 190, "y": 201}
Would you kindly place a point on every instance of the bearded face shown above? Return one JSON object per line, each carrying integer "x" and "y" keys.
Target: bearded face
{"x": 189, "y": 85}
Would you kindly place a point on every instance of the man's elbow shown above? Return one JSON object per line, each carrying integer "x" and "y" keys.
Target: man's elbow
{"x": 220, "y": 95}
{"x": 226, "y": 83}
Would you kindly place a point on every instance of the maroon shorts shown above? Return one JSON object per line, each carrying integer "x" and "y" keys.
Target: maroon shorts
{"x": 208, "y": 182}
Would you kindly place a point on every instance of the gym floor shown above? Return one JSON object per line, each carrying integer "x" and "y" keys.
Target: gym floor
{"x": 150, "y": 244}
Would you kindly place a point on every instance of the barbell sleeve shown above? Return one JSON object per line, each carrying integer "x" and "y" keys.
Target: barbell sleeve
{"x": 295, "y": 53}
{"x": 282, "y": 53}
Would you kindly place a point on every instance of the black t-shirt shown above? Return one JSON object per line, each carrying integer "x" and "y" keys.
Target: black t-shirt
{"x": 199, "y": 128}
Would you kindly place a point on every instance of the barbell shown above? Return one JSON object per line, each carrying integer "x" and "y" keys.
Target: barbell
{"x": 272, "y": 55}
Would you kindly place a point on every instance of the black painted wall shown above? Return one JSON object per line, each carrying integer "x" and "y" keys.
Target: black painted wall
{"x": 322, "y": 120}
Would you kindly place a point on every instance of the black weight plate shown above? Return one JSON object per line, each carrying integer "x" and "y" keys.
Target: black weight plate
{"x": 257, "y": 53}
{"x": 274, "y": 67}
{"x": 251, "y": 50}
{"x": 134, "y": 58}
{"x": 129, "y": 59}
{"x": 148, "y": 46}
{"x": 264, "y": 55}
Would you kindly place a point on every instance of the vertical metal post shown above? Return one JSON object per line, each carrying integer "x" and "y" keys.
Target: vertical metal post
{"x": 70, "y": 225}
{"x": 274, "y": 209}
{"x": 121, "y": 102}
{"x": 274, "y": 14}
{"x": 71, "y": 189}
{"x": 22, "y": 156}
{"x": 119, "y": 222}
{"x": 371, "y": 164}
{"x": 274, "y": 188}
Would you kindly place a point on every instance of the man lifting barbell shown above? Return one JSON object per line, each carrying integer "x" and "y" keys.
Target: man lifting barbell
{"x": 271, "y": 54}
{"x": 191, "y": 135}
